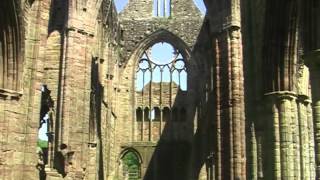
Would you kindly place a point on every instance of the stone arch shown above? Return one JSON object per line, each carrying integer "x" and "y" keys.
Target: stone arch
{"x": 139, "y": 114}
{"x": 131, "y": 149}
{"x": 162, "y": 35}
{"x": 128, "y": 167}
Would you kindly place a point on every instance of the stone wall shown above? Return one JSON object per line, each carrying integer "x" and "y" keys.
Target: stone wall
{"x": 58, "y": 52}
{"x": 20, "y": 110}
{"x": 141, "y": 30}
{"x": 249, "y": 113}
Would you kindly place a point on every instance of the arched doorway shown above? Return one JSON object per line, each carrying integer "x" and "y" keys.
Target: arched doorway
{"x": 130, "y": 165}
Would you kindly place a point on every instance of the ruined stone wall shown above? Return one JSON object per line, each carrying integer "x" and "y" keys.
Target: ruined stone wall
{"x": 287, "y": 105}
{"x": 153, "y": 129}
{"x": 20, "y": 110}
{"x": 266, "y": 116}
{"x": 138, "y": 22}
{"x": 109, "y": 101}
{"x": 61, "y": 40}
{"x": 236, "y": 127}
{"x": 92, "y": 50}
{"x": 141, "y": 30}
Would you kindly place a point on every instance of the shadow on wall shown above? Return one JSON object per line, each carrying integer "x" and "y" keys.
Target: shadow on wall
{"x": 96, "y": 97}
{"x": 186, "y": 149}
{"x": 59, "y": 156}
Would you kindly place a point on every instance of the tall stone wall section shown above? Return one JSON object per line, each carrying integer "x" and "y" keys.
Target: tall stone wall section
{"x": 58, "y": 52}
{"x": 140, "y": 30}
{"x": 20, "y": 111}
{"x": 249, "y": 116}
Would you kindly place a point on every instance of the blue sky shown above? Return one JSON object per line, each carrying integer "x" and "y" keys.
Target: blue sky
{"x": 120, "y": 4}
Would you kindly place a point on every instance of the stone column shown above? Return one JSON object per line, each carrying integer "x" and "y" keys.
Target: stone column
{"x": 231, "y": 137}
{"x": 312, "y": 60}
{"x": 311, "y": 142}
{"x": 237, "y": 120}
{"x": 304, "y": 135}
{"x": 282, "y": 131}
{"x": 253, "y": 156}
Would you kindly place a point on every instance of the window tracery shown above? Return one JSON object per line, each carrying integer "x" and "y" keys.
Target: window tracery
{"x": 161, "y": 85}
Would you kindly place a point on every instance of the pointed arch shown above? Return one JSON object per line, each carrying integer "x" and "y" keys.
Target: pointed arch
{"x": 133, "y": 150}
{"x": 11, "y": 43}
{"x": 131, "y": 163}
{"x": 162, "y": 35}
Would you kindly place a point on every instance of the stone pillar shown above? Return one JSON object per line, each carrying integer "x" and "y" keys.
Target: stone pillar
{"x": 282, "y": 132}
{"x": 312, "y": 60}
{"x": 237, "y": 120}
{"x": 253, "y": 156}
{"x": 230, "y": 125}
{"x": 304, "y": 135}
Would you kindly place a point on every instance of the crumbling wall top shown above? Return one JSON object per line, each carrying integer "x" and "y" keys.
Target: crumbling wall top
{"x": 144, "y": 9}
{"x": 138, "y": 22}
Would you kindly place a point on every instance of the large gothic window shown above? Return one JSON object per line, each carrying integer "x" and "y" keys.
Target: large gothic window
{"x": 10, "y": 46}
{"x": 161, "y": 85}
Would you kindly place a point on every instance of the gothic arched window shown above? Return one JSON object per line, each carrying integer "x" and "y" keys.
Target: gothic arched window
{"x": 139, "y": 114}
{"x": 10, "y": 47}
{"x": 161, "y": 83}
{"x": 161, "y": 64}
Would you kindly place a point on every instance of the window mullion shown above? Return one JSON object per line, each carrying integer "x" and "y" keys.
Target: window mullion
{"x": 150, "y": 104}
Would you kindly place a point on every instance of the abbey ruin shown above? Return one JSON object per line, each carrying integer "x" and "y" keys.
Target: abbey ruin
{"x": 238, "y": 99}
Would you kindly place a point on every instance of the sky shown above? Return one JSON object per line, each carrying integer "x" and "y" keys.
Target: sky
{"x": 43, "y": 129}
{"x": 120, "y": 4}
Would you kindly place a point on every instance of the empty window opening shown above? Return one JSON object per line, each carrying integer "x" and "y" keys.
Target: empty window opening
{"x": 131, "y": 166}
{"x": 155, "y": 114}
{"x": 45, "y": 131}
{"x": 139, "y": 114}
{"x": 147, "y": 114}
{"x": 161, "y": 63}
{"x": 162, "y": 8}
{"x": 166, "y": 114}
{"x": 161, "y": 82}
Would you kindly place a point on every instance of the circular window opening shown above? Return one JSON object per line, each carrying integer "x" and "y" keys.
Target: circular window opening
{"x": 161, "y": 63}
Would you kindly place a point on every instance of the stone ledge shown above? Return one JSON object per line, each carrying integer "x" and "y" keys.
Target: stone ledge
{"x": 139, "y": 144}
{"x": 278, "y": 95}
{"x": 9, "y": 94}
{"x": 281, "y": 93}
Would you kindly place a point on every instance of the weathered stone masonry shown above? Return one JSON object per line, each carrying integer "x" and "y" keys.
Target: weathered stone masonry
{"x": 250, "y": 111}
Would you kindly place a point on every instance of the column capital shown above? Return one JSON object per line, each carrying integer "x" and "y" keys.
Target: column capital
{"x": 312, "y": 59}
{"x": 304, "y": 99}
{"x": 281, "y": 95}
